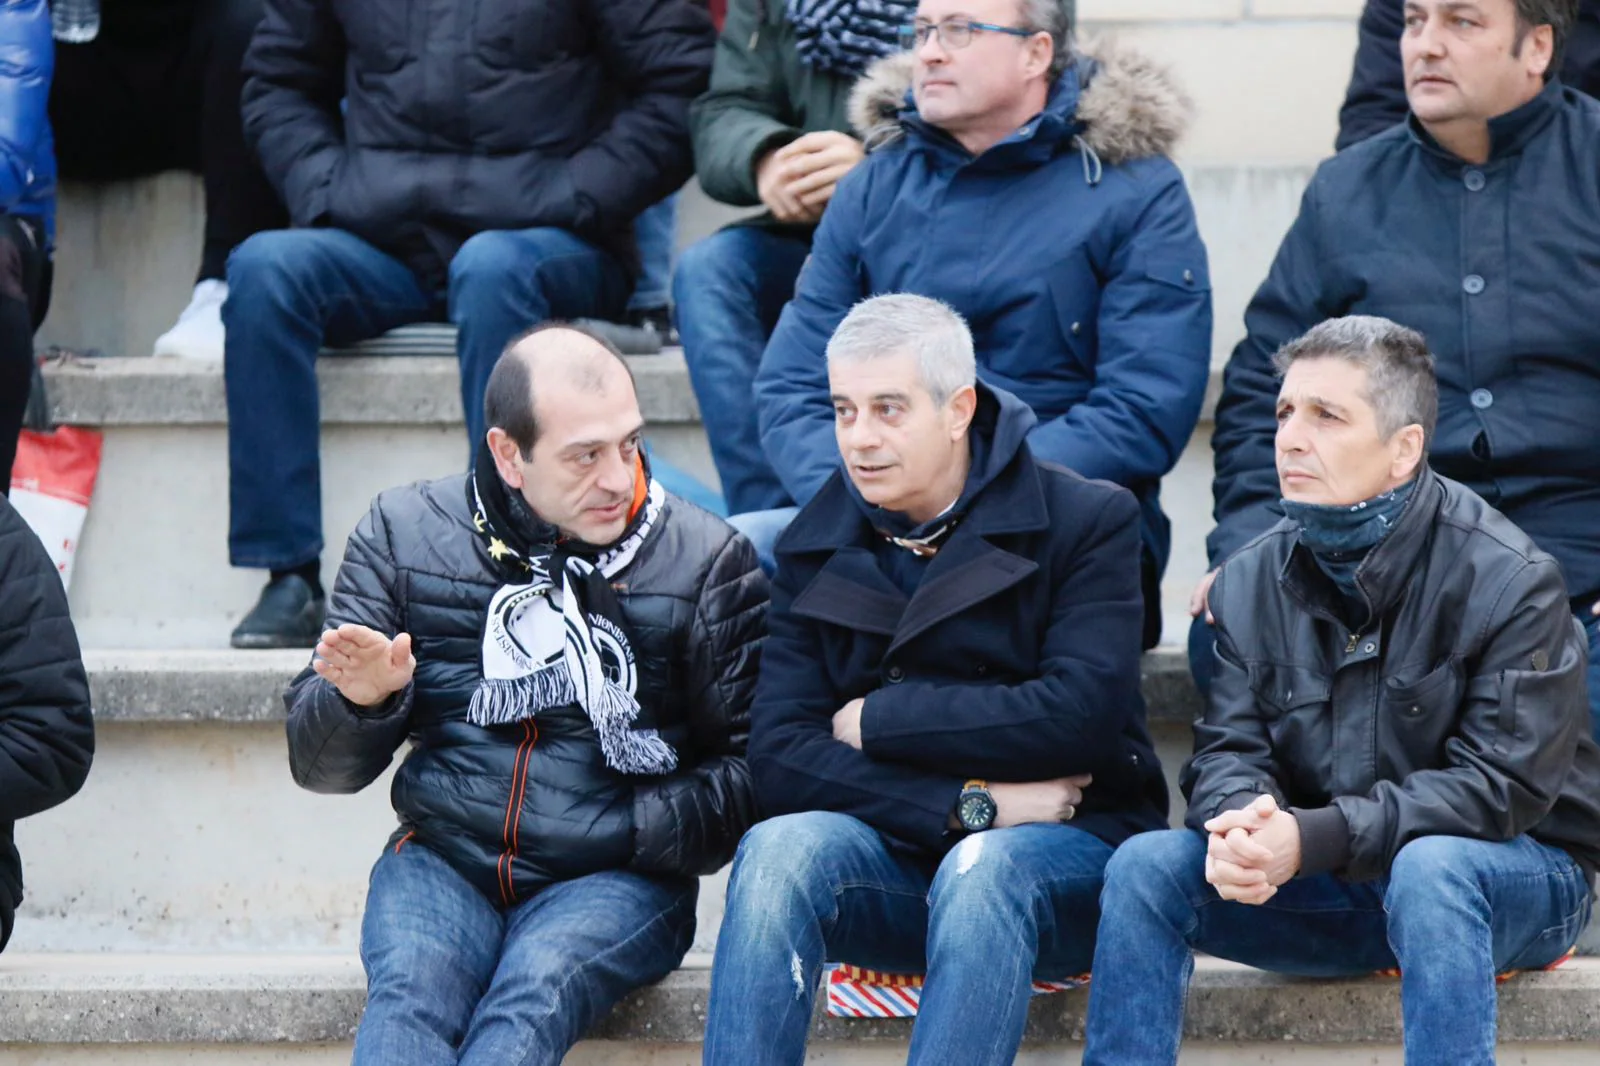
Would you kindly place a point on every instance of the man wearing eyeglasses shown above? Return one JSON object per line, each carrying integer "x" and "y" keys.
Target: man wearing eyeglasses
{"x": 1026, "y": 185}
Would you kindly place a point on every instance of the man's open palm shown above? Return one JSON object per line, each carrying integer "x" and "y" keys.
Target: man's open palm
{"x": 363, "y": 664}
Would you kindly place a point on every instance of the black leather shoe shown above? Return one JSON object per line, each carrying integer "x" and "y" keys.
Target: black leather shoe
{"x": 288, "y": 615}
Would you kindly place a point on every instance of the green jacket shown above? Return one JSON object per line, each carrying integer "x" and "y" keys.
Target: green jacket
{"x": 761, "y": 98}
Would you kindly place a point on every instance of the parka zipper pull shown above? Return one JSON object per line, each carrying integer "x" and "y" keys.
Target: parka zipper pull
{"x": 1351, "y": 647}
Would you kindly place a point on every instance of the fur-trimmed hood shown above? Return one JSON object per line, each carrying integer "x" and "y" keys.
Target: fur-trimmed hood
{"x": 1130, "y": 106}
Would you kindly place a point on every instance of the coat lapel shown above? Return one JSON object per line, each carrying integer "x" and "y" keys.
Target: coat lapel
{"x": 966, "y": 572}
{"x": 850, "y": 591}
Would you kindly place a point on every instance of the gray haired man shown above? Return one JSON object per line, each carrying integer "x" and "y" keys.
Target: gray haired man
{"x": 1395, "y": 768}
{"x": 948, "y": 725}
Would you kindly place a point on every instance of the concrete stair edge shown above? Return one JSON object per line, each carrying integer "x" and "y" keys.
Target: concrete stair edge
{"x": 265, "y": 999}
{"x": 176, "y": 686}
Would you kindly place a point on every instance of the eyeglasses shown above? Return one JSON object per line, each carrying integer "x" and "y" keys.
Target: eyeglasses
{"x": 954, "y": 32}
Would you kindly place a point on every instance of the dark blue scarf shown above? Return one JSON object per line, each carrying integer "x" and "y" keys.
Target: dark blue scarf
{"x": 1340, "y": 536}
{"x": 844, "y": 36}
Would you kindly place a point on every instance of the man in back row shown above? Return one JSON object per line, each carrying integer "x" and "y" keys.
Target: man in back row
{"x": 477, "y": 161}
{"x": 1029, "y": 188}
{"x": 1476, "y": 224}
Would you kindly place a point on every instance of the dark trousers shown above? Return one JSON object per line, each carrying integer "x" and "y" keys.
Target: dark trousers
{"x": 24, "y": 297}
{"x": 147, "y": 96}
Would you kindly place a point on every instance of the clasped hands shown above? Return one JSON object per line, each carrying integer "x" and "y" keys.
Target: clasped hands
{"x": 1251, "y": 851}
{"x": 796, "y": 181}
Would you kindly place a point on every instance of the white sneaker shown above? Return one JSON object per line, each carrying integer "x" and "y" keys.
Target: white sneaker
{"x": 198, "y": 333}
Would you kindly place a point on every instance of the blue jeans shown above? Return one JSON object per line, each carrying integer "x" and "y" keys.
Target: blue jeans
{"x": 727, "y": 293}
{"x": 1203, "y": 645}
{"x": 655, "y": 232}
{"x": 1451, "y": 914}
{"x": 292, "y": 291}
{"x": 763, "y": 528}
{"x": 1004, "y": 908}
{"x": 452, "y": 978}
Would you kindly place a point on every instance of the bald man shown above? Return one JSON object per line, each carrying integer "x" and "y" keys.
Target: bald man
{"x": 572, "y": 652}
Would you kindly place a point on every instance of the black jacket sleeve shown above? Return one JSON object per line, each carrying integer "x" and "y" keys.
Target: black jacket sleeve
{"x": 800, "y": 766}
{"x": 691, "y": 822}
{"x": 295, "y": 79}
{"x": 659, "y": 54}
{"x": 1513, "y": 748}
{"x": 1068, "y": 720}
{"x": 1233, "y": 762}
{"x": 335, "y": 746}
{"x": 1294, "y": 297}
{"x": 46, "y": 728}
{"x": 1376, "y": 98}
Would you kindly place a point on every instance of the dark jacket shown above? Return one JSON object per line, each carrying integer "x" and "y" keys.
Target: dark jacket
{"x": 417, "y": 125}
{"x": 1495, "y": 266}
{"x": 694, "y": 605}
{"x": 761, "y": 98}
{"x": 1016, "y": 659}
{"x": 1457, "y": 705}
{"x": 1376, "y": 98}
{"x": 27, "y": 149}
{"x": 46, "y": 729}
{"x": 1071, "y": 250}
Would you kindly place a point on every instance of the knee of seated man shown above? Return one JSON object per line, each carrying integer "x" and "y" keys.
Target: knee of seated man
{"x": 788, "y": 849}
{"x": 707, "y": 266}
{"x": 1428, "y": 864}
{"x": 489, "y": 258}
{"x": 1163, "y": 856}
{"x": 264, "y": 258}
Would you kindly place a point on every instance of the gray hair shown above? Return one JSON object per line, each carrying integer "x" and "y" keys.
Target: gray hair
{"x": 1055, "y": 18}
{"x": 900, "y": 322}
{"x": 1401, "y": 383}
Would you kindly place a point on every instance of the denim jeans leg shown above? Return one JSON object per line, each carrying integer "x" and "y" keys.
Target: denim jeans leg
{"x": 1461, "y": 911}
{"x": 1591, "y": 626}
{"x": 655, "y": 232}
{"x": 763, "y": 528}
{"x": 806, "y": 888}
{"x": 570, "y": 954}
{"x": 429, "y": 943}
{"x": 1157, "y": 909}
{"x": 289, "y": 292}
{"x": 503, "y": 282}
{"x": 728, "y": 292}
{"x": 1008, "y": 907}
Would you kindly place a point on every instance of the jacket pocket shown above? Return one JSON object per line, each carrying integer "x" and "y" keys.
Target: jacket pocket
{"x": 1424, "y": 712}
{"x": 1182, "y": 274}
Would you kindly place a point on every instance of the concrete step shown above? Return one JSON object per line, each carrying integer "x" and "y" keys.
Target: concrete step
{"x": 231, "y": 1004}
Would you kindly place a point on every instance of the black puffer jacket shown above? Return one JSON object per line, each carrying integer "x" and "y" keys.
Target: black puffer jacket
{"x": 417, "y": 125}
{"x": 46, "y": 730}
{"x": 1457, "y": 707}
{"x": 513, "y": 808}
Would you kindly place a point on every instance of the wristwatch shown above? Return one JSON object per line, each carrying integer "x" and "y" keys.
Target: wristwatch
{"x": 975, "y": 809}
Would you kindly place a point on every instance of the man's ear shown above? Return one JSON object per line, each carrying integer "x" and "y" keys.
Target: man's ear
{"x": 1540, "y": 45}
{"x": 963, "y": 406}
{"x": 1408, "y": 453}
{"x": 507, "y": 457}
{"x": 1041, "y": 53}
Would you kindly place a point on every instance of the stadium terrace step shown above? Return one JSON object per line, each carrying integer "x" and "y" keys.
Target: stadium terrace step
{"x": 275, "y": 1000}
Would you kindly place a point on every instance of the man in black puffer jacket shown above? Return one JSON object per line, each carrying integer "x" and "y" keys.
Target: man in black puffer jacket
{"x": 572, "y": 653}
{"x": 46, "y": 730}
{"x": 480, "y": 162}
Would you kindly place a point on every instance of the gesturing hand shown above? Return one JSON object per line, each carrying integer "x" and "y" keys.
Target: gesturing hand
{"x": 363, "y": 664}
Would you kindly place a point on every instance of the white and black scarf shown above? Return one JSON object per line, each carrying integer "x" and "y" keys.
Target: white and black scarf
{"x": 555, "y": 635}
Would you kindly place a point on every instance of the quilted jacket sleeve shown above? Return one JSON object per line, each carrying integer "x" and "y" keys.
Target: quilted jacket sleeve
{"x": 691, "y": 822}
{"x": 46, "y": 728}
{"x": 334, "y": 746}
{"x": 29, "y": 59}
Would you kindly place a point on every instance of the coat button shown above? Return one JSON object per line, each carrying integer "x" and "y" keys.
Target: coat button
{"x": 1474, "y": 180}
{"x": 982, "y": 670}
{"x": 1369, "y": 647}
{"x": 896, "y": 675}
{"x": 1077, "y": 328}
{"x": 1473, "y": 284}
{"x": 1188, "y": 277}
{"x": 1482, "y": 399}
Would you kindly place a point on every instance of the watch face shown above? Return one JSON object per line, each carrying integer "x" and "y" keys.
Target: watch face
{"x": 975, "y": 811}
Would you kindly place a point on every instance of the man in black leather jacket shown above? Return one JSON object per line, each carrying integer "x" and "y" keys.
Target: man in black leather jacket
{"x": 1395, "y": 768}
{"x": 572, "y": 653}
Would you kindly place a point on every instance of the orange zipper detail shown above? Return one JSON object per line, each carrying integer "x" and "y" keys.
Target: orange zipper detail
{"x": 519, "y": 789}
